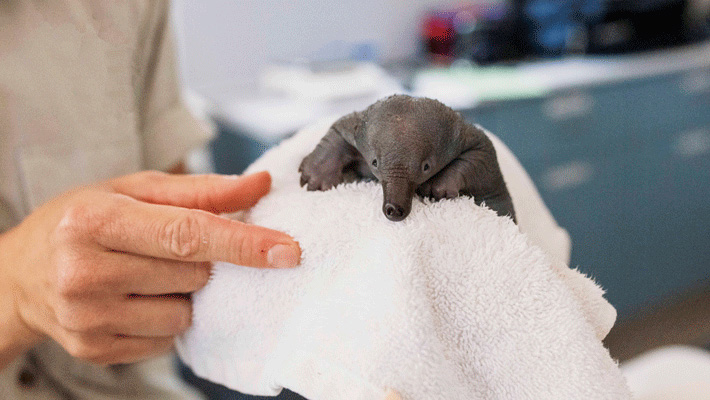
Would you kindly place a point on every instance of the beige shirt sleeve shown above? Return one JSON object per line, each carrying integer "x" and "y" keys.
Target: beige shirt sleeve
{"x": 168, "y": 128}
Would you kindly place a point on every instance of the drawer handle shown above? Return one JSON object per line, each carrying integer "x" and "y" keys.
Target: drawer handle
{"x": 567, "y": 107}
{"x": 568, "y": 176}
{"x": 695, "y": 82}
{"x": 692, "y": 143}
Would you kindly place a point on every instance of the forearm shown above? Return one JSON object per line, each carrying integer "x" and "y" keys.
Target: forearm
{"x": 15, "y": 336}
{"x": 12, "y": 341}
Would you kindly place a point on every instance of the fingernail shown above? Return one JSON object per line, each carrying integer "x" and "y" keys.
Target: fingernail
{"x": 282, "y": 256}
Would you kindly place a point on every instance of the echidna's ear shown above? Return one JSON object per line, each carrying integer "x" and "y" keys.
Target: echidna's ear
{"x": 350, "y": 126}
{"x": 470, "y": 133}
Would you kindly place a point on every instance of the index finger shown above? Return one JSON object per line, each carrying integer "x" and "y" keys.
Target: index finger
{"x": 392, "y": 395}
{"x": 194, "y": 235}
{"x": 213, "y": 193}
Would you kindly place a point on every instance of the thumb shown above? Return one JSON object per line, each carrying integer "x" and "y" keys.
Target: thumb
{"x": 214, "y": 193}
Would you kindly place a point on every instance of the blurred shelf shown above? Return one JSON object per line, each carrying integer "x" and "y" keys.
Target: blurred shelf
{"x": 464, "y": 86}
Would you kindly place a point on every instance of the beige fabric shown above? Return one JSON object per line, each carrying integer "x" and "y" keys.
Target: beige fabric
{"x": 88, "y": 91}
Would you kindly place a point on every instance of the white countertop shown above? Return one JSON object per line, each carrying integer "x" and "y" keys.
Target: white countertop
{"x": 269, "y": 115}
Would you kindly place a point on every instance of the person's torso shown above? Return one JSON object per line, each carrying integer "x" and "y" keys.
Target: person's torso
{"x": 67, "y": 97}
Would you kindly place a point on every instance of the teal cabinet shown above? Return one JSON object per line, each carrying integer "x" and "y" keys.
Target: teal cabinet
{"x": 625, "y": 168}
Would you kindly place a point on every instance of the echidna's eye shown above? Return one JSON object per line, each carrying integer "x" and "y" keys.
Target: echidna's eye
{"x": 374, "y": 163}
{"x": 426, "y": 167}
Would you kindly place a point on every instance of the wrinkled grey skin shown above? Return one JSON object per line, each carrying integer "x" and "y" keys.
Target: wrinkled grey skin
{"x": 410, "y": 145}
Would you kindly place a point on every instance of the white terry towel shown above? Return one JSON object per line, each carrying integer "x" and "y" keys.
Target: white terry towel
{"x": 454, "y": 302}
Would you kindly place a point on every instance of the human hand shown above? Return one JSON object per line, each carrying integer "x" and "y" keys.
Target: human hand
{"x": 105, "y": 270}
{"x": 392, "y": 395}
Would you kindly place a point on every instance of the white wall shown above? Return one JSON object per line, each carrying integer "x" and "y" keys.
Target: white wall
{"x": 224, "y": 43}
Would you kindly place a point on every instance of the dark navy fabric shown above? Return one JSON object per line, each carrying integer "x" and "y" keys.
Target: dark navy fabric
{"x": 215, "y": 391}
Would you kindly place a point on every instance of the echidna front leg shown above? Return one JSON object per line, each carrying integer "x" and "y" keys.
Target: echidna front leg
{"x": 474, "y": 173}
{"x": 323, "y": 168}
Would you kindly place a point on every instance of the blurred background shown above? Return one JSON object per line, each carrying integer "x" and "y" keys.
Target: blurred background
{"x": 605, "y": 102}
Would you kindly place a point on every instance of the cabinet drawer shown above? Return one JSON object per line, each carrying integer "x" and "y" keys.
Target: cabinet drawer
{"x": 639, "y": 222}
{"x": 539, "y": 129}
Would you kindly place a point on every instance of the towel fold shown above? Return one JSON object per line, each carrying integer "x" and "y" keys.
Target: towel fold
{"x": 452, "y": 303}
